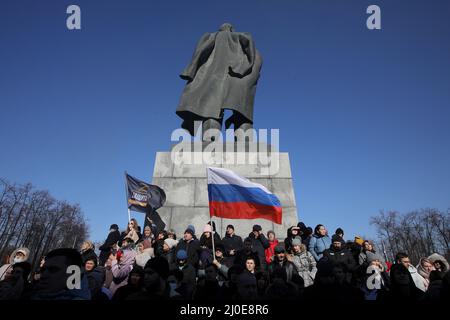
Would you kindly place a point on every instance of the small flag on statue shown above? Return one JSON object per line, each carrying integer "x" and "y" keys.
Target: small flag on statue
{"x": 142, "y": 196}
{"x": 234, "y": 197}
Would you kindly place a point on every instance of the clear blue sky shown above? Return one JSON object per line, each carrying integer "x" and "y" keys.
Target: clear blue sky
{"x": 365, "y": 115}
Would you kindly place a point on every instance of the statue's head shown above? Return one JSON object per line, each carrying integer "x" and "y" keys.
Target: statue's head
{"x": 226, "y": 27}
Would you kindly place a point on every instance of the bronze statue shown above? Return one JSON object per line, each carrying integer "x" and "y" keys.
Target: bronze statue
{"x": 223, "y": 74}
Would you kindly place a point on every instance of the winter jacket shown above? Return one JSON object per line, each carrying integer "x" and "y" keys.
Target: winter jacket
{"x": 233, "y": 242}
{"x": 259, "y": 246}
{"x": 379, "y": 292}
{"x": 306, "y": 267}
{"x": 402, "y": 285}
{"x": 96, "y": 278}
{"x": 288, "y": 267}
{"x": 242, "y": 255}
{"x": 437, "y": 257}
{"x": 317, "y": 245}
{"x": 105, "y": 248}
{"x": 192, "y": 248}
{"x": 207, "y": 242}
{"x": 270, "y": 251}
{"x": 121, "y": 269}
{"x": 73, "y": 294}
{"x": 8, "y": 267}
{"x": 342, "y": 255}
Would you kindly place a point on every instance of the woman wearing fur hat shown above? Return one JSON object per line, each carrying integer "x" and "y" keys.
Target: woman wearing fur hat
{"x": 439, "y": 262}
{"x": 17, "y": 256}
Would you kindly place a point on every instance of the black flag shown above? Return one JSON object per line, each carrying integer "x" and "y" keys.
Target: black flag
{"x": 142, "y": 196}
{"x": 154, "y": 221}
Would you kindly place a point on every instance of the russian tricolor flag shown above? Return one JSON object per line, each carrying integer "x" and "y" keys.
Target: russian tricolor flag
{"x": 235, "y": 197}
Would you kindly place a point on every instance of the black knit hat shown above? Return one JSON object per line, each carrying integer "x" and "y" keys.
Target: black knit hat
{"x": 339, "y": 231}
{"x": 114, "y": 226}
{"x": 336, "y": 238}
{"x": 230, "y": 226}
{"x": 257, "y": 227}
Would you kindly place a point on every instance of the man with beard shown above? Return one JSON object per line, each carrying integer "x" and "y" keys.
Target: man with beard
{"x": 338, "y": 254}
{"x": 280, "y": 262}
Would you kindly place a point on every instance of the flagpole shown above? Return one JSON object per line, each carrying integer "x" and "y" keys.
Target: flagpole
{"x": 210, "y": 222}
{"x": 212, "y": 235}
{"x": 126, "y": 197}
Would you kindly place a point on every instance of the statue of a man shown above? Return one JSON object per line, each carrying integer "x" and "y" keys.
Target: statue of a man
{"x": 223, "y": 74}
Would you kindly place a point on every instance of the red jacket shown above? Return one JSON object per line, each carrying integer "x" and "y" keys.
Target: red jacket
{"x": 270, "y": 251}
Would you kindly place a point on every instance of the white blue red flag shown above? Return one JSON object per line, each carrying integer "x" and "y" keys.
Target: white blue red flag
{"x": 234, "y": 197}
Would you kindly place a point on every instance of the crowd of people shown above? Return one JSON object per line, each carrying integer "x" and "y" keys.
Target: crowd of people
{"x": 308, "y": 265}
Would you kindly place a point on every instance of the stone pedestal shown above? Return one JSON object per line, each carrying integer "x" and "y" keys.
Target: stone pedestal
{"x": 183, "y": 178}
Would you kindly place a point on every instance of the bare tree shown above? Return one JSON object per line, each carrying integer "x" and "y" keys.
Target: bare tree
{"x": 418, "y": 233}
{"x": 34, "y": 219}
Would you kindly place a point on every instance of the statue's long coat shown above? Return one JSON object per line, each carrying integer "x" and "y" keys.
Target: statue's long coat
{"x": 223, "y": 74}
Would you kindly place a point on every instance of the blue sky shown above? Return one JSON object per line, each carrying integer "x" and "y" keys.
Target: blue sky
{"x": 364, "y": 114}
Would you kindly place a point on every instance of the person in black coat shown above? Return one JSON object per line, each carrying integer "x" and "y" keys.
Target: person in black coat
{"x": 244, "y": 253}
{"x": 292, "y": 233}
{"x": 88, "y": 252}
{"x": 111, "y": 240}
{"x": 280, "y": 262}
{"x": 191, "y": 246}
{"x": 231, "y": 242}
{"x": 259, "y": 244}
{"x": 402, "y": 285}
{"x": 338, "y": 254}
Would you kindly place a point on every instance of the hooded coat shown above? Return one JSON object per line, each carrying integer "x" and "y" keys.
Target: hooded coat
{"x": 8, "y": 267}
{"x": 222, "y": 74}
{"x": 437, "y": 257}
